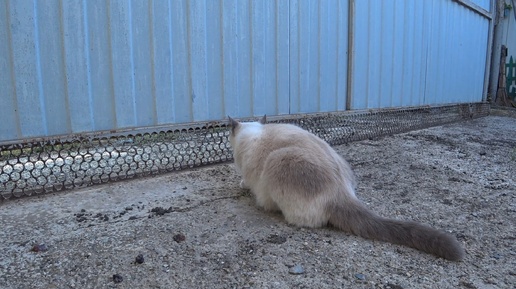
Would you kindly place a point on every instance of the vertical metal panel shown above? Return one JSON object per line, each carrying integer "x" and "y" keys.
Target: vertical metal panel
{"x": 76, "y": 65}
{"x": 328, "y": 56}
{"x": 282, "y": 58}
{"x": 141, "y": 41}
{"x": 456, "y": 59}
{"x": 180, "y": 55}
{"x": 99, "y": 55}
{"x": 237, "y": 61}
{"x": 396, "y": 72}
{"x": 122, "y": 62}
{"x": 198, "y": 58}
{"x": 264, "y": 46}
{"x": 214, "y": 45}
{"x": 388, "y": 39}
{"x": 53, "y": 77}
{"x": 308, "y": 33}
{"x": 373, "y": 56}
{"x": 318, "y": 66}
{"x": 87, "y": 65}
{"x": 435, "y": 55}
{"x": 416, "y": 53}
{"x": 161, "y": 61}
{"x": 31, "y": 115}
{"x": 255, "y": 57}
{"x": 9, "y": 107}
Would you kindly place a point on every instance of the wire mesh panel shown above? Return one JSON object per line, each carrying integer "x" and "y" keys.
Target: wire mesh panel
{"x": 54, "y": 164}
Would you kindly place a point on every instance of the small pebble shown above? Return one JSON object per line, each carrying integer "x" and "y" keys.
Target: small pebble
{"x": 392, "y": 286}
{"x": 360, "y": 276}
{"x": 117, "y": 278}
{"x": 179, "y": 238}
{"x": 139, "y": 259}
{"x": 276, "y": 239}
{"x": 297, "y": 270}
{"x": 160, "y": 211}
{"x": 39, "y": 248}
{"x": 80, "y": 218}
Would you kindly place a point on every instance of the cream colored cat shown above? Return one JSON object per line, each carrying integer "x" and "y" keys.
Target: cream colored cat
{"x": 293, "y": 171}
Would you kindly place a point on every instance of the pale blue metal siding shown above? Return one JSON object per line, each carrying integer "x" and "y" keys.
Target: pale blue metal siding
{"x": 456, "y": 54}
{"x": 76, "y": 66}
{"x": 9, "y": 127}
{"x": 71, "y": 66}
{"x": 417, "y": 53}
{"x": 318, "y": 56}
{"x": 484, "y": 4}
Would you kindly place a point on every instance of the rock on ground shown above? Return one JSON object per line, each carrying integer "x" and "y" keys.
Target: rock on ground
{"x": 198, "y": 229}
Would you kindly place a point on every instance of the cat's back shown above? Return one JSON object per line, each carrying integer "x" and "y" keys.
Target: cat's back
{"x": 288, "y": 135}
{"x": 313, "y": 149}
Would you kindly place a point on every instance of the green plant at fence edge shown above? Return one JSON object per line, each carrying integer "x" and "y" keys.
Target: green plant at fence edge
{"x": 510, "y": 68}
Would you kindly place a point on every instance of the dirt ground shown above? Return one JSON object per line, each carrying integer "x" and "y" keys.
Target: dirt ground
{"x": 198, "y": 229}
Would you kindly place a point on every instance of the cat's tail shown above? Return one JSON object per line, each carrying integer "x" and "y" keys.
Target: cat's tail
{"x": 355, "y": 218}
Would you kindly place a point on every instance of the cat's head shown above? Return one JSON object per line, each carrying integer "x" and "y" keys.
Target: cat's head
{"x": 237, "y": 127}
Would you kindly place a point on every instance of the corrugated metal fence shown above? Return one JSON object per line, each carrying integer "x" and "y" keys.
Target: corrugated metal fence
{"x": 418, "y": 52}
{"x": 88, "y": 65}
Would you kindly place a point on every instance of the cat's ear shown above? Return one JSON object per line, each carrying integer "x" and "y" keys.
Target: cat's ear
{"x": 264, "y": 119}
{"x": 233, "y": 123}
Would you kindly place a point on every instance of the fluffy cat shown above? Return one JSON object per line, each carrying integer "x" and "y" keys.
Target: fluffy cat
{"x": 293, "y": 171}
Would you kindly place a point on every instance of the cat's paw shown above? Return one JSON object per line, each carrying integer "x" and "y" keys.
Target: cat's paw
{"x": 243, "y": 185}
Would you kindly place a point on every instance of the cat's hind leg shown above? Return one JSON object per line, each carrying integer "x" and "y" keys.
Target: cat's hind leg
{"x": 296, "y": 182}
{"x": 264, "y": 200}
{"x": 301, "y": 212}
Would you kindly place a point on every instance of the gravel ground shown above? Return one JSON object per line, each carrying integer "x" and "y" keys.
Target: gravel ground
{"x": 198, "y": 229}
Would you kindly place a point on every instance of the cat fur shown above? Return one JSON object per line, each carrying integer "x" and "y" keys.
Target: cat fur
{"x": 291, "y": 170}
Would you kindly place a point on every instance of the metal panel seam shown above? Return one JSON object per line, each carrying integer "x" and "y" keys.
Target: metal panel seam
{"x": 41, "y": 94}
{"x": 319, "y": 57}
{"x": 487, "y": 72}
{"x": 337, "y": 60}
{"x": 298, "y": 30}
{"x": 88, "y": 62}
{"x": 111, "y": 68}
{"x": 276, "y": 56}
{"x": 351, "y": 41}
{"x": 222, "y": 64}
{"x": 251, "y": 60}
{"x": 63, "y": 65}
{"x": 131, "y": 59}
{"x": 152, "y": 64}
{"x": 189, "y": 45}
